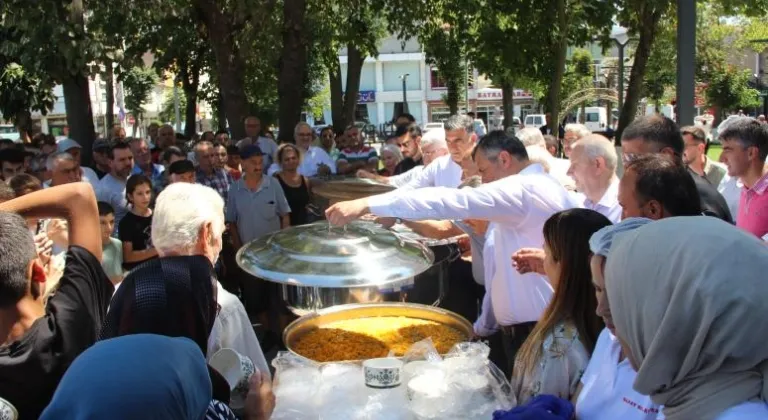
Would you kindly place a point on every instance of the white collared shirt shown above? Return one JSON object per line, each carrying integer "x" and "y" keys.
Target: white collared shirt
{"x": 232, "y": 329}
{"x": 730, "y": 188}
{"x": 404, "y": 178}
{"x": 312, "y": 157}
{"x": 608, "y": 205}
{"x": 517, "y": 207}
{"x": 442, "y": 172}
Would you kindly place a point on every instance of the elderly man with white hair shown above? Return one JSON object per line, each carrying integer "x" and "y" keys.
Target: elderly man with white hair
{"x": 314, "y": 160}
{"x": 189, "y": 220}
{"x": 558, "y": 168}
{"x": 593, "y": 168}
{"x": 63, "y": 169}
{"x": 573, "y": 132}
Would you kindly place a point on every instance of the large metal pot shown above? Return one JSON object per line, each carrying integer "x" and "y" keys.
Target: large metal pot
{"x": 312, "y": 321}
{"x": 321, "y": 266}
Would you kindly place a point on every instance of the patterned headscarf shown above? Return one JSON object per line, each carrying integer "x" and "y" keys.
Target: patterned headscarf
{"x": 170, "y": 296}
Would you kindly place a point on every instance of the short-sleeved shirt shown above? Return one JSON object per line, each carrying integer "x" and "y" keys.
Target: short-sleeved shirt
{"x": 112, "y": 258}
{"x": 607, "y": 392}
{"x": 136, "y": 230}
{"x": 365, "y": 154}
{"x": 31, "y": 368}
{"x": 753, "y": 208}
{"x": 112, "y": 190}
{"x": 256, "y": 213}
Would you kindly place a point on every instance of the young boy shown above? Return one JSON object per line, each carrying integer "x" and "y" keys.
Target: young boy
{"x": 40, "y": 341}
{"x": 111, "y": 248}
{"x": 181, "y": 171}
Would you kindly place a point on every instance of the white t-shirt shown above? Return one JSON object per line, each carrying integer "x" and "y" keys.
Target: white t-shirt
{"x": 746, "y": 411}
{"x": 607, "y": 393}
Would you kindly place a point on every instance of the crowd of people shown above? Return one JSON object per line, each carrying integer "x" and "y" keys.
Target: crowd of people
{"x": 570, "y": 273}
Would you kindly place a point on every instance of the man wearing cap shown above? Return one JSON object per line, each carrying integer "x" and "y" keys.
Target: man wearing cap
{"x": 256, "y": 206}
{"x": 256, "y": 203}
{"x": 101, "y": 160}
{"x": 73, "y": 148}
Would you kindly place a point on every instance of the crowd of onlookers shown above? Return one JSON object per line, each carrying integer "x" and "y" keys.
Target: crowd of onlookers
{"x": 172, "y": 214}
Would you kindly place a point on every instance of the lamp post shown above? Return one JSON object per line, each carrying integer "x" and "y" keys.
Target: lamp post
{"x": 621, "y": 37}
{"x": 404, "y": 78}
{"x": 686, "y": 61}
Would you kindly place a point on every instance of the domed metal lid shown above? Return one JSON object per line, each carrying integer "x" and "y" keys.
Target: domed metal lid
{"x": 357, "y": 255}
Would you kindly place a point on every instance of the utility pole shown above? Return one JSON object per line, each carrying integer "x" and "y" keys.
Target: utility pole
{"x": 686, "y": 61}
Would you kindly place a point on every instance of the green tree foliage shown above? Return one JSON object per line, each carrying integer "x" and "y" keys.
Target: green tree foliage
{"x": 729, "y": 90}
{"x": 138, "y": 82}
{"x": 20, "y": 94}
{"x": 579, "y": 75}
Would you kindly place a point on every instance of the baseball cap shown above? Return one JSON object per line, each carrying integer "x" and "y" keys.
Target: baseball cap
{"x": 250, "y": 151}
{"x": 65, "y": 144}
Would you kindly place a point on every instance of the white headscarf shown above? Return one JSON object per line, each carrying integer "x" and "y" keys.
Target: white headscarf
{"x": 601, "y": 241}
{"x": 688, "y": 295}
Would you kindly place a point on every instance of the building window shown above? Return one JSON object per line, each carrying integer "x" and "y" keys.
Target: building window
{"x": 436, "y": 82}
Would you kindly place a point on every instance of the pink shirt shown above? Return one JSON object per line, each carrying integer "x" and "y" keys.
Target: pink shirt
{"x": 753, "y": 208}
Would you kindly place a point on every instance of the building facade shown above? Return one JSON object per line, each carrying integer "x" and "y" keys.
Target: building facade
{"x": 381, "y": 88}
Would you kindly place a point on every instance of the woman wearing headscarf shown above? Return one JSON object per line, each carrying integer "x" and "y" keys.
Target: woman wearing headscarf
{"x": 170, "y": 296}
{"x": 688, "y": 298}
{"x": 605, "y": 391}
{"x": 141, "y": 376}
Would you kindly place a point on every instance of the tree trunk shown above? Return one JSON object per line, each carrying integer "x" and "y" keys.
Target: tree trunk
{"x": 221, "y": 116}
{"x": 337, "y": 98}
{"x": 649, "y": 26}
{"x": 24, "y": 125}
{"x": 109, "y": 81}
{"x": 190, "y": 82}
{"x": 229, "y": 62}
{"x": 452, "y": 96}
{"x": 293, "y": 67}
{"x": 553, "y": 96}
{"x": 77, "y": 102}
{"x": 508, "y": 103}
{"x": 355, "y": 61}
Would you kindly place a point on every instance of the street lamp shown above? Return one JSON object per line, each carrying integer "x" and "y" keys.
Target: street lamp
{"x": 404, "y": 78}
{"x": 621, "y": 37}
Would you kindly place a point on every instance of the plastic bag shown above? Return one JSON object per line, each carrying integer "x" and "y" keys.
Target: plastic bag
{"x": 465, "y": 385}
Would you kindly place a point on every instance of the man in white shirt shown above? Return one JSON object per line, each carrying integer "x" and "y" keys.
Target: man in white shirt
{"x": 558, "y": 168}
{"x": 266, "y": 144}
{"x": 593, "y": 168}
{"x": 314, "y": 160}
{"x": 517, "y": 201}
{"x": 111, "y": 188}
{"x": 448, "y": 171}
{"x": 73, "y": 148}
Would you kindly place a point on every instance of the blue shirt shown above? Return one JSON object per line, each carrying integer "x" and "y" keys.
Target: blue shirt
{"x": 256, "y": 213}
{"x": 156, "y": 178}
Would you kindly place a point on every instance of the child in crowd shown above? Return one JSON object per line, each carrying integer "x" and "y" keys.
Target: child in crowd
{"x": 181, "y": 171}
{"x": 135, "y": 229}
{"x": 111, "y": 248}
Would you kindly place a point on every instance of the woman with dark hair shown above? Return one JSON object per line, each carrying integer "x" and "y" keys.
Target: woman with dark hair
{"x": 135, "y": 228}
{"x": 296, "y": 187}
{"x": 558, "y": 349}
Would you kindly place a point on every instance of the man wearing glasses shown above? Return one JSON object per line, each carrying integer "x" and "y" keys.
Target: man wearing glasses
{"x": 657, "y": 134}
